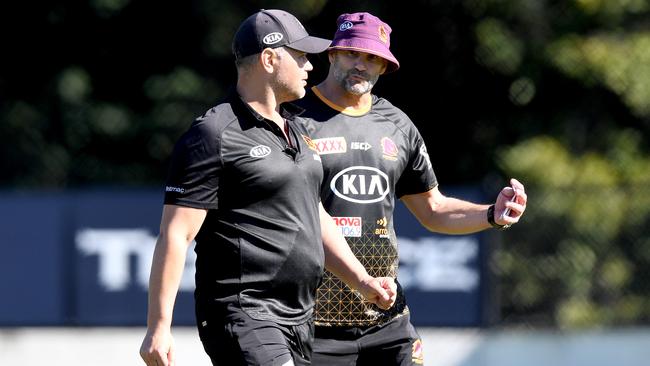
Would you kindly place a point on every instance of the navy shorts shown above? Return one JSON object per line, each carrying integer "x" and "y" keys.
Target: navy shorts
{"x": 241, "y": 340}
{"x": 393, "y": 343}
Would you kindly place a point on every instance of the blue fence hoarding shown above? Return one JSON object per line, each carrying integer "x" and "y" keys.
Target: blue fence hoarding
{"x": 83, "y": 258}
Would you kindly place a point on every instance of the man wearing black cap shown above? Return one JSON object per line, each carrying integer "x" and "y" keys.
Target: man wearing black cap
{"x": 372, "y": 153}
{"x": 244, "y": 183}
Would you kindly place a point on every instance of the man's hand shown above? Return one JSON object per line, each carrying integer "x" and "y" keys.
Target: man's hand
{"x": 510, "y": 204}
{"x": 381, "y": 291}
{"x": 158, "y": 348}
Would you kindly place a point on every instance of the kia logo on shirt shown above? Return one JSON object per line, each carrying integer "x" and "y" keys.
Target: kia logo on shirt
{"x": 360, "y": 184}
{"x": 260, "y": 151}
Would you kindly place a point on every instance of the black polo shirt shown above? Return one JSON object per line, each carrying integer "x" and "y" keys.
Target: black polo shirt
{"x": 369, "y": 160}
{"x": 259, "y": 249}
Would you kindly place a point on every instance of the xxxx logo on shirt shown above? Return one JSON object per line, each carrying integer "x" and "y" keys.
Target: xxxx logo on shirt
{"x": 331, "y": 145}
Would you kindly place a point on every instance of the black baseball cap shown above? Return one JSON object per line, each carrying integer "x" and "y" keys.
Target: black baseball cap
{"x": 274, "y": 28}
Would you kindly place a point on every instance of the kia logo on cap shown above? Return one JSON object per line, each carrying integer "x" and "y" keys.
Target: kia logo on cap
{"x": 360, "y": 184}
{"x": 345, "y": 26}
{"x": 272, "y": 38}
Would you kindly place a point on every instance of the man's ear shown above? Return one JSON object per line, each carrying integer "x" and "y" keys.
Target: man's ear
{"x": 268, "y": 59}
{"x": 384, "y": 68}
{"x": 331, "y": 54}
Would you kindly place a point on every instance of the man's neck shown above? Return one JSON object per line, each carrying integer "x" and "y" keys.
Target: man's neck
{"x": 262, "y": 100}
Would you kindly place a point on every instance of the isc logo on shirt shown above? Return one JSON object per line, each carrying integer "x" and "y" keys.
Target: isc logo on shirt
{"x": 357, "y": 145}
{"x": 360, "y": 184}
{"x": 331, "y": 145}
{"x": 350, "y": 226}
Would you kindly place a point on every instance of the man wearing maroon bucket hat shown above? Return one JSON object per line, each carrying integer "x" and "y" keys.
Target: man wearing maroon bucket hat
{"x": 372, "y": 153}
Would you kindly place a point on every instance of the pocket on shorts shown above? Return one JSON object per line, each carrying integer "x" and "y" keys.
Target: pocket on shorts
{"x": 261, "y": 344}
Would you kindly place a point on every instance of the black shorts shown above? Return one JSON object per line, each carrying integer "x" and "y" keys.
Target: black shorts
{"x": 392, "y": 343}
{"x": 241, "y": 340}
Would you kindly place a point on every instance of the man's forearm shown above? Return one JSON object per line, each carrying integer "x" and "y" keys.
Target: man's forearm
{"x": 339, "y": 258}
{"x": 457, "y": 216}
{"x": 447, "y": 215}
{"x": 166, "y": 272}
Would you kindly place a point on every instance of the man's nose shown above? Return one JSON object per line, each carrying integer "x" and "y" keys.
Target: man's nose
{"x": 308, "y": 66}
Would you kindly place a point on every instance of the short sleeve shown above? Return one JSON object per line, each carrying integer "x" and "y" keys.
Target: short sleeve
{"x": 418, "y": 175}
{"x": 195, "y": 167}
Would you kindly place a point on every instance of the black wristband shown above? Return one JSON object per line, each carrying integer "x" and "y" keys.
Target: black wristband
{"x": 490, "y": 218}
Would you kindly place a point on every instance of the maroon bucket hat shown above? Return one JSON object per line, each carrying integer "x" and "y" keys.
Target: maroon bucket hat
{"x": 364, "y": 32}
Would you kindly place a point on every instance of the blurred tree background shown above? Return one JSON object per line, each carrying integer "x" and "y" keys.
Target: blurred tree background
{"x": 556, "y": 93}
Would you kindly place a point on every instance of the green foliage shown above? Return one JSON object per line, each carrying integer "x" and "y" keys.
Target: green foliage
{"x": 616, "y": 60}
{"x": 581, "y": 251}
{"x": 498, "y": 48}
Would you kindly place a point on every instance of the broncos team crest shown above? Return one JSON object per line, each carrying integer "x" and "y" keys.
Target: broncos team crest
{"x": 417, "y": 355}
{"x": 310, "y": 143}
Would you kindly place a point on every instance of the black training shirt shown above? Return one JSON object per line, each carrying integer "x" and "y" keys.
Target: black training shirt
{"x": 260, "y": 247}
{"x": 369, "y": 159}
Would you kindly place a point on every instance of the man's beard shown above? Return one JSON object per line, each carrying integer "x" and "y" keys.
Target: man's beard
{"x": 285, "y": 92}
{"x": 352, "y": 87}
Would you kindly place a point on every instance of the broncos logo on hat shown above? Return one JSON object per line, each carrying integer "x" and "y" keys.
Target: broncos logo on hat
{"x": 383, "y": 35}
